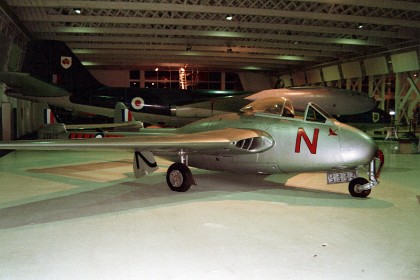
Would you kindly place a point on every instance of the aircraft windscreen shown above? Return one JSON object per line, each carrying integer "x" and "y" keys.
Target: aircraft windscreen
{"x": 272, "y": 105}
{"x": 317, "y": 114}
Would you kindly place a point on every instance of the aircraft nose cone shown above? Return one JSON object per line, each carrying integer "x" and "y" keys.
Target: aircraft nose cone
{"x": 373, "y": 103}
{"x": 369, "y": 104}
{"x": 357, "y": 148}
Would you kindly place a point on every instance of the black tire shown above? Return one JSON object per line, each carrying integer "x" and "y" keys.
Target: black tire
{"x": 179, "y": 177}
{"x": 354, "y": 185}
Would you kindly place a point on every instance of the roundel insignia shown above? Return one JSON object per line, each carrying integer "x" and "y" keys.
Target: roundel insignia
{"x": 137, "y": 103}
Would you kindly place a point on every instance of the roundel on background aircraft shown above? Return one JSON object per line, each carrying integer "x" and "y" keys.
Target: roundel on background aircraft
{"x": 137, "y": 103}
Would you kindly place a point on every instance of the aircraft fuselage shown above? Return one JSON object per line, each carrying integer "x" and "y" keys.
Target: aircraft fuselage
{"x": 299, "y": 145}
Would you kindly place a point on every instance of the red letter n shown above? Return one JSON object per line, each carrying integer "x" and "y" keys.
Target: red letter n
{"x": 311, "y": 145}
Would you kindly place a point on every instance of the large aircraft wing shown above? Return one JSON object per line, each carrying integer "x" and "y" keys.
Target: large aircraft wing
{"x": 22, "y": 82}
{"x": 224, "y": 142}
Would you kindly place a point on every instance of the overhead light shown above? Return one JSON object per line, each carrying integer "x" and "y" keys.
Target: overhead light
{"x": 77, "y": 11}
{"x": 229, "y": 17}
{"x": 392, "y": 112}
{"x": 156, "y": 69}
{"x": 360, "y": 26}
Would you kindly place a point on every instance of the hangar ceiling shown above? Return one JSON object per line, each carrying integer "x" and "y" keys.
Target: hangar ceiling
{"x": 269, "y": 35}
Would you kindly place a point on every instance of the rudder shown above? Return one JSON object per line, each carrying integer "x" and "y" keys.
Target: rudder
{"x": 53, "y": 62}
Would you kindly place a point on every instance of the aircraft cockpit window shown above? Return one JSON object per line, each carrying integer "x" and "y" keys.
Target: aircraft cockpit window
{"x": 284, "y": 109}
{"x": 271, "y": 105}
{"x": 313, "y": 116}
{"x": 316, "y": 114}
{"x": 288, "y": 111}
{"x": 275, "y": 109}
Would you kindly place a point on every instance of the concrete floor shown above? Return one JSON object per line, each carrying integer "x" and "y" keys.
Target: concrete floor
{"x": 83, "y": 216}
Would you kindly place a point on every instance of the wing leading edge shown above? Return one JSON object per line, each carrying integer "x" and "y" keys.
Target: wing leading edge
{"x": 24, "y": 83}
{"x": 223, "y": 141}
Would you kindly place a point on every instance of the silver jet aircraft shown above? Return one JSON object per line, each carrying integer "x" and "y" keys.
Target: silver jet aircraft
{"x": 264, "y": 137}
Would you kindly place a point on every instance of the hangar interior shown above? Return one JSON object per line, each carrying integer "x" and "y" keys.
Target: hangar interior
{"x": 84, "y": 215}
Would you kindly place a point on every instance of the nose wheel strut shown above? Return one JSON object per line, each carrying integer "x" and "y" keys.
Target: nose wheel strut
{"x": 361, "y": 187}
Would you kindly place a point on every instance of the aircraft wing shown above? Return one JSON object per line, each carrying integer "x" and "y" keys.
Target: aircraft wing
{"x": 19, "y": 83}
{"x": 102, "y": 125}
{"x": 223, "y": 142}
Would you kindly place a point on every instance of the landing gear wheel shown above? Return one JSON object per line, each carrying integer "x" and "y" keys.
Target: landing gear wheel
{"x": 354, "y": 187}
{"x": 179, "y": 177}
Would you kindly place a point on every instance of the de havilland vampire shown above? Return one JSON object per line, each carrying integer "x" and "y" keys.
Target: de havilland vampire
{"x": 53, "y": 74}
{"x": 264, "y": 137}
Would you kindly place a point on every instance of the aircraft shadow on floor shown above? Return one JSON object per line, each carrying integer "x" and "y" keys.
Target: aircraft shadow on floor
{"x": 132, "y": 195}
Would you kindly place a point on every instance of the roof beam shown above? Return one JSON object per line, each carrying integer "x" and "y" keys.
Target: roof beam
{"x": 208, "y": 42}
{"x": 219, "y": 10}
{"x": 385, "y": 4}
{"x": 218, "y": 34}
{"x": 283, "y": 58}
{"x": 182, "y": 47}
{"x": 12, "y": 19}
{"x": 215, "y": 23}
{"x": 147, "y": 60}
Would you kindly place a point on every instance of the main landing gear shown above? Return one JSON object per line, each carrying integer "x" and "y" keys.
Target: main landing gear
{"x": 179, "y": 177}
{"x": 361, "y": 187}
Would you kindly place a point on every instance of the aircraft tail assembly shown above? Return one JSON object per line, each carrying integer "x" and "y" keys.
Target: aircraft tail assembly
{"x": 122, "y": 114}
{"x": 53, "y": 129}
{"x": 54, "y": 62}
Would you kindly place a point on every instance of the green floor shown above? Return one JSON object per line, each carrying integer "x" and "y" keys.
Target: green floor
{"x": 83, "y": 216}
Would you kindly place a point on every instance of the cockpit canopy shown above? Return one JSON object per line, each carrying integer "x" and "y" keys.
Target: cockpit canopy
{"x": 272, "y": 105}
{"x": 314, "y": 113}
{"x": 280, "y": 106}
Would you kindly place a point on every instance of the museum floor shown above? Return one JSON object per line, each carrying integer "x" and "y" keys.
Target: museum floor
{"x": 83, "y": 216}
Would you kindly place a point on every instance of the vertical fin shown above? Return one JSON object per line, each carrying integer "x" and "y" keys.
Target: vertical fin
{"x": 49, "y": 117}
{"x": 122, "y": 114}
{"x": 54, "y": 62}
{"x": 43, "y": 115}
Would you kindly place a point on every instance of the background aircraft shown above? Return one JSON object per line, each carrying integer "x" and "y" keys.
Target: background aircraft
{"x": 124, "y": 125}
{"x": 53, "y": 74}
{"x": 265, "y": 137}
{"x": 372, "y": 119}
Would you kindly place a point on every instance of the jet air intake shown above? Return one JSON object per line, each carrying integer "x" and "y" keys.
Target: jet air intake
{"x": 255, "y": 144}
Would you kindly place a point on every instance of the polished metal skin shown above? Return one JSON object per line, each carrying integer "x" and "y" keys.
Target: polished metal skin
{"x": 299, "y": 144}
{"x": 335, "y": 101}
{"x": 265, "y": 137}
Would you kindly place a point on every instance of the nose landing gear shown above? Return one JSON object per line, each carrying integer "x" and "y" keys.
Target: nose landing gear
{"x": 357, "y": 189}
{"x": 361, "y": 187}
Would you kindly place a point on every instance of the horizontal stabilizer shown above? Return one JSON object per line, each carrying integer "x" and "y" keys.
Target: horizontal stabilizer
{"x": 26, "y": 86}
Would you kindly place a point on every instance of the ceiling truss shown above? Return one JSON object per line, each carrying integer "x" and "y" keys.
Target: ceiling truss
{"x": 266, "y": 34}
